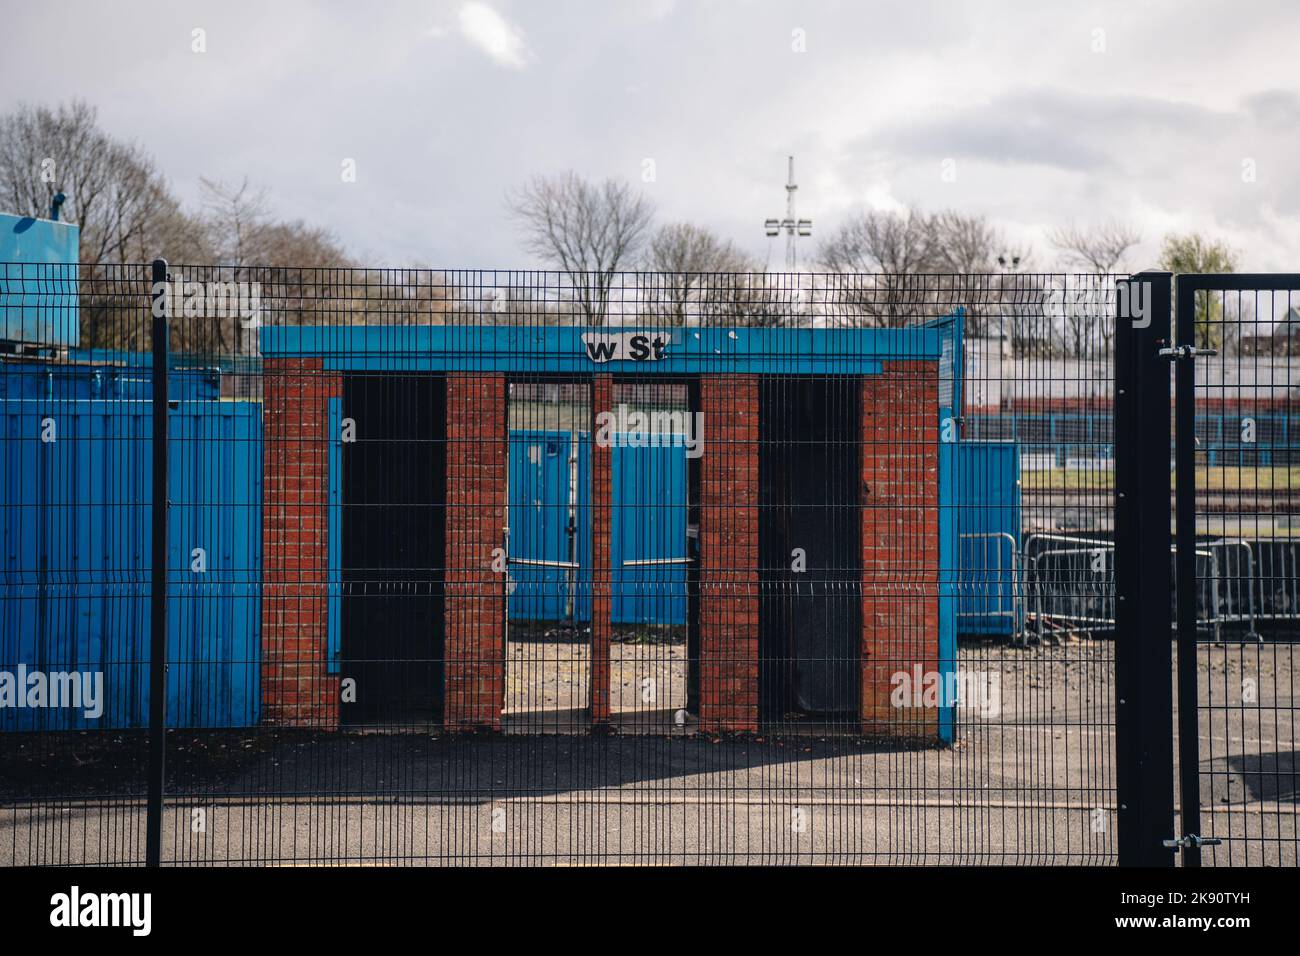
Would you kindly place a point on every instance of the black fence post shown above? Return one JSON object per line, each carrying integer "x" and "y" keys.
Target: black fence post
{"x": 160, "y": 307}
{"x": 1144, "y": 772}
{"x": 1185, "y": 570}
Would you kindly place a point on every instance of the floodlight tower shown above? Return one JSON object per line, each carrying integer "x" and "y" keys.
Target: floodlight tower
{"x": 794, "y": 227}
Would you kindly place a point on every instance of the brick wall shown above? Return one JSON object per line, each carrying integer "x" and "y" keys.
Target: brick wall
{"x": 475, "y": 594}
{"x": 729, "y": 554}
{"x": 602, "y": 399}
{"x": 296, "y": 690}
{"x": 900, "y": 541}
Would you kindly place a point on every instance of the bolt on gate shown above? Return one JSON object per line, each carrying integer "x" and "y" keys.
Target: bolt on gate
{"x": 521, "y": 567}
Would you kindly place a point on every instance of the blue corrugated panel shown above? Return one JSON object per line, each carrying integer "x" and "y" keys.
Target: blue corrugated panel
{"x": 649, "y": 525}
{"x": 38, "y": 281}
{"x": 75, "y": 526}
{"x": 988, "y": 523}
{"x": 540, "y": 501}
{"x": 40, "y": 380}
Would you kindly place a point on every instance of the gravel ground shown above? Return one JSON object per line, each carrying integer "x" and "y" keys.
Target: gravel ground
{"x": 1031, "y": 783}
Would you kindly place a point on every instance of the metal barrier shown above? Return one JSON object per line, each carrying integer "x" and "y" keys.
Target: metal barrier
{"x": 992, "y": 583}
{"x": 1073, "y": 588}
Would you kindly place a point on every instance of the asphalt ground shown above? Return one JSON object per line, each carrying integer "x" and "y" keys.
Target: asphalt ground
{"x": 1030, "y": 781}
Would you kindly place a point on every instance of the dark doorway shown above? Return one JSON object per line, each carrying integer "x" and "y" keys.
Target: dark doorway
{"x": 394, "y": 481}
{"x": 810, "y": 608}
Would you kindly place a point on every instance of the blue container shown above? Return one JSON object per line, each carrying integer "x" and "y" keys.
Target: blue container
{"x": 38, "y": 281}
{"x": 988, "y": 538}
{"x": 550, "y": 480}
{"x": 648, "y": 535}
{"x": 41, "y": 380}
{"x": 75, "y": 487}
{"x": 648, "y": 530}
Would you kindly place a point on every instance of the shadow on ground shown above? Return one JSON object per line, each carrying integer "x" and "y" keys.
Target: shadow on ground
{"x": 47, "y": 767}
{"x": 1245, "y": 778}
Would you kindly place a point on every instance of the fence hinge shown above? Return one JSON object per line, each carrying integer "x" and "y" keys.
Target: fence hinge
{"x": 1174, "y": 353}
{"x": 1192, "y": 840}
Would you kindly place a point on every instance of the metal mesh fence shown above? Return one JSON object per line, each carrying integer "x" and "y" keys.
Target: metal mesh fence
{"x": 1245, "y": 503}
{"x": 529, "y": 567}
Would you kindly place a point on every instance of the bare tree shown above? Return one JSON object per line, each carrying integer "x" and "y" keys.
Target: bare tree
{"x": 1024, "y": 312}
{"x": 112, "y": 189}
{"x": 692, "y": 267}
{"x": 1098, "y": 248}
{"x": 875, "y": 241}
{"x": 967, "y": 248}
{"x": 964, "y": 244}
{"x": 302, "y": 269}
{"x": 235, "y": 219}
{"x": 587, "y": 229}
{"x": 883, "y": 258}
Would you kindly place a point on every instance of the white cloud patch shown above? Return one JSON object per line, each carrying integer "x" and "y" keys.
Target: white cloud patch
{"x": 494, "y": 35}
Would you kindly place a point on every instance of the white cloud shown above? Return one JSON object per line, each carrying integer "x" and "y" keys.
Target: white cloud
{"x": 494, "y": 35}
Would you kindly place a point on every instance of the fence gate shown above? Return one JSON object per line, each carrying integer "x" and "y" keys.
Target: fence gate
{"x": 1238, "y": 541}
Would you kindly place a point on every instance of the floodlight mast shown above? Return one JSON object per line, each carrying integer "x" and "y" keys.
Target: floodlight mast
{"x": 793, "y": 226}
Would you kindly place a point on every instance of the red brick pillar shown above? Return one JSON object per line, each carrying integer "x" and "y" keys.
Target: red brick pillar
{"x": 602, "y": 400}
{"x": 475, "y": 593}
{"x": 297, "y": 691}
{"x": 900, "y": 543}
{"x": 729, "y": 554}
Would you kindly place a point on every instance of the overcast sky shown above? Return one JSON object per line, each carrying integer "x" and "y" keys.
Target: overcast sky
{"x": 1049, "y": 111}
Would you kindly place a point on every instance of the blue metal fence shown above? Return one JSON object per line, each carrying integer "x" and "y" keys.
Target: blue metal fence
{"x": 1248, "y": 439}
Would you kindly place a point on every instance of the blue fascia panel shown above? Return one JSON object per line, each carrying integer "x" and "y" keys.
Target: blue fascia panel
{"x": 568, "y": 350}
